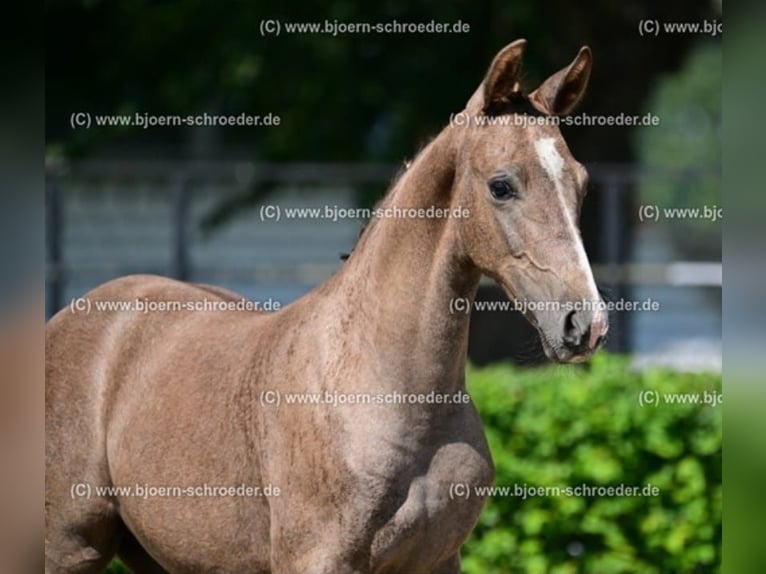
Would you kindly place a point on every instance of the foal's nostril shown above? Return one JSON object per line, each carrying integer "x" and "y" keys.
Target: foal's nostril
{"x": 584, "y": 331}
{"x": 576, "y": 331}
{"x": 570, "y": 330}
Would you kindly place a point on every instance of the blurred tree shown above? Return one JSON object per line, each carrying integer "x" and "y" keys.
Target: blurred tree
{"x": 688, "y": 140}
{"x": 349, "y": 98}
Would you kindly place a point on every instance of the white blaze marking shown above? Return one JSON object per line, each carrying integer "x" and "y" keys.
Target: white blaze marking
{"x": 550, "y": 159}
{"x": 553, "y": 164}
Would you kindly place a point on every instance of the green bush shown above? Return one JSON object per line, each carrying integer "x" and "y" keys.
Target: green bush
{"x": 566, "y": 426}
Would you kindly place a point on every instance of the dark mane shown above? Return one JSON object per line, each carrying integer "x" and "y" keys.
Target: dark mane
{"x": 516, "y": 103}
{"x": 403, "y": 167}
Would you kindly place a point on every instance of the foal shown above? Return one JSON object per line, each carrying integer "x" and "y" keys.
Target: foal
{"x": 193, "y": 400}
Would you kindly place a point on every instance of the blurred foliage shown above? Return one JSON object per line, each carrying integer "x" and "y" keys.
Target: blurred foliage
{"x": 744, "y": 96}
{"x": 744, "y": 306}
{"x": 559, "y": 426}
{"x": 688, "y": 141}
{"x": 341, "y": 98}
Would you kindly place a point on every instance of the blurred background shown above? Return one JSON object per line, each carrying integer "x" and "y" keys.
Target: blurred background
{"x": 185, "y": 202}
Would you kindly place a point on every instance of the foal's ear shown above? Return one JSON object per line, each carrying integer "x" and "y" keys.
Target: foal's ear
{"x": 503, "y": 75}
{"x": 560, "y": 94}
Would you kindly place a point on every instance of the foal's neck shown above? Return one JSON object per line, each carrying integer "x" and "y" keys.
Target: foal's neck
{"x": 406, "y": 272}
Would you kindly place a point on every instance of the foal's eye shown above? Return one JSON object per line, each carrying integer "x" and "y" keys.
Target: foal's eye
{"x": 502, "y": 189}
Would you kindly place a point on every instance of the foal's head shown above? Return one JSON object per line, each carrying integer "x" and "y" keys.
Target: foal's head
{"x": 524, "y": 191}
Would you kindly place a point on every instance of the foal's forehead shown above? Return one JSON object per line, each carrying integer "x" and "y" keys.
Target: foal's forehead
{"x": 531, "y": 146}
{"x": 538, "y": 151}
{"x": 544, "y": 145}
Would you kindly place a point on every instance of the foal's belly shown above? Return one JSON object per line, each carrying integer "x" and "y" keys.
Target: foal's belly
{"x": 189, "y": 537}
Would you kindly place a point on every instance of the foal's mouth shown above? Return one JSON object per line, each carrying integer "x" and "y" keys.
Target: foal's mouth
{"x": 565, "y": 352}
{"x": 560, "y": 354}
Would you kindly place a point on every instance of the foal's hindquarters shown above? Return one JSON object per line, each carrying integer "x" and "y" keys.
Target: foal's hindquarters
{"x": 146, "y": 401}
